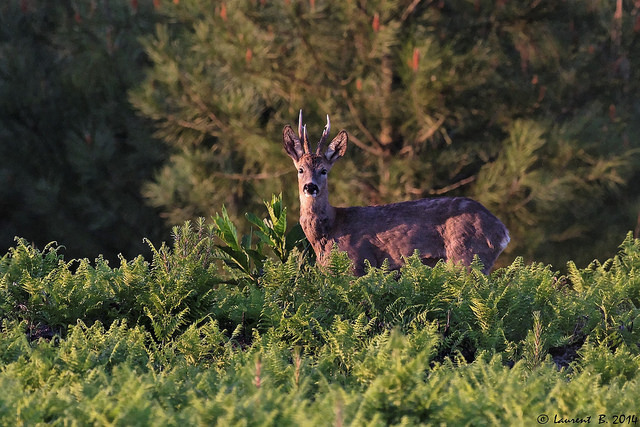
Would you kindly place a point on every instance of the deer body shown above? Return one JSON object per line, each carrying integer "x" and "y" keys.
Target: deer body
{"x": 441, "y": 228}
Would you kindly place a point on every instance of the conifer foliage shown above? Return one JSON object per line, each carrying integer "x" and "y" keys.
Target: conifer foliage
{"x": 73, "y": 153}
{"x": 527, "y": 106}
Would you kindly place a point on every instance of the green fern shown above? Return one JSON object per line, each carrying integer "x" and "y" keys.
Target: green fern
{"x": 299, "y": 343}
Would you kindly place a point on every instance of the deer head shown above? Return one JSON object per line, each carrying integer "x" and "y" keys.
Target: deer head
{"x": 313, "y": 168}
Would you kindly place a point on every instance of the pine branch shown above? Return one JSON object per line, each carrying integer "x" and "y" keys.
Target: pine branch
{"x": 425, "y": 134}
{"x": 453, "y": 186}
{"x": 410, "y": 9}
{"x": 250, "y": 177}
{"x": 201, "y": 105}
{"x": 356, "y": 116}
{"x": 386, "y": 128}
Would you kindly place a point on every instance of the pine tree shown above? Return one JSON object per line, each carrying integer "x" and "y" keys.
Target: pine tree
{"x": 73, "y": 153}
{"x": 528, "y": 107}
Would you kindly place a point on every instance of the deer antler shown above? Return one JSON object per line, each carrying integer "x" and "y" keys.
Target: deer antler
{"x": 307, "y": 147}
{"x": 323, "y": 138}
{"x": 302, "y": 134}
{"x": 300, "y": 126}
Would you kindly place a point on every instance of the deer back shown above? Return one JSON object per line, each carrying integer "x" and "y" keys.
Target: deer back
{"x": 440, "y": 229}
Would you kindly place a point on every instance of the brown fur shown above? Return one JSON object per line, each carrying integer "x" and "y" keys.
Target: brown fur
{"x": 441, "y": 228}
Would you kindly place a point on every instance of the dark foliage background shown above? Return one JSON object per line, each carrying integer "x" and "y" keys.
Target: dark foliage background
{"x": 73, "y": 152}
{"x": 529, "y": 107}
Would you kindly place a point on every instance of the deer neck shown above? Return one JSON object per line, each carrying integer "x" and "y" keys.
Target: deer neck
{"x": 317, "y": 217}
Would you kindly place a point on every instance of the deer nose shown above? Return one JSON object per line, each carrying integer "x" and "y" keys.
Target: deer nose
{"x": 311, "y": 189}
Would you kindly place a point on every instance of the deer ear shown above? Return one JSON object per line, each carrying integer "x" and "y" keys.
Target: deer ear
{"x": 337, "y": 147}
{"x": 292, "y": 144}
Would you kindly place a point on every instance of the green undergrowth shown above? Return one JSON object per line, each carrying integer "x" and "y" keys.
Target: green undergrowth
{"x": 230, "y": 330}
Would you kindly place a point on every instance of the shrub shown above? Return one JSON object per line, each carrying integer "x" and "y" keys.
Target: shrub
{"x": 219, "y": 328}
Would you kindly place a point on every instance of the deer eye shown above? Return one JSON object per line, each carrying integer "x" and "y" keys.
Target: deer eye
{"x": 300, "y": 170}
{"x": 323, "y": 171}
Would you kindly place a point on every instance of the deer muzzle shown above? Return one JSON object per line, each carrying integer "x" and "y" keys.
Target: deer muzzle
{"x": 310, "y": 190}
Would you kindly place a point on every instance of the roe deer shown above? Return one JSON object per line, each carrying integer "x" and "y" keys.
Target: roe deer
{"x": 447, "y": 228}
